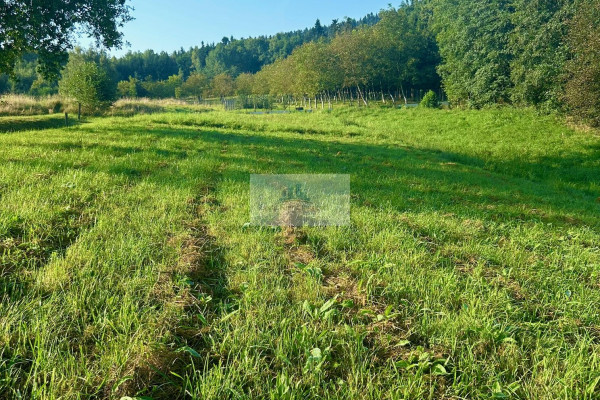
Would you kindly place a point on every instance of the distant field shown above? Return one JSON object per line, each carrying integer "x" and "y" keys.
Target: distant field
{"x": 471, "y": 268}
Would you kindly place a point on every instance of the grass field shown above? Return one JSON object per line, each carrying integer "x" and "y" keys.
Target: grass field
{"x": 471, "y": 268}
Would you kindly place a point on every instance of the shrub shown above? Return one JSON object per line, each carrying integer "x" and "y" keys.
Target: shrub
{"x": 162, "y": 89}
{"x": 131, "y": 88}
{"x": 430, "y": 100}
{"x": 582, "y": 91}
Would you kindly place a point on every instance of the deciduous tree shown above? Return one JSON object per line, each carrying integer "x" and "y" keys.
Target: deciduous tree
{"x": 88, "y": 83}
{"x": 47, "y": 28}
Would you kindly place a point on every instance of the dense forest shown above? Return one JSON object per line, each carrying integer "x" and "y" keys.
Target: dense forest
{"x": 542, "y": 53}
{"x": 153, "y": 70}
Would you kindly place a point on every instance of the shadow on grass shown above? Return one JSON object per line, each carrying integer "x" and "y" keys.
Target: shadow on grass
{"x": 18, "y": 124}
{"x": 425, "y": 179}
{"x": 206, "y": 298}
{"x": 401, "y": 177}
{"x": 575, "y": 169}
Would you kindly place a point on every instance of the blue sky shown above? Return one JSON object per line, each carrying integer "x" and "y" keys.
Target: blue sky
{"x": 169, "y": 25}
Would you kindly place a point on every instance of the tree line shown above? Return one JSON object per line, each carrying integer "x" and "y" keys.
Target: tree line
{"x": 152, "y": 69}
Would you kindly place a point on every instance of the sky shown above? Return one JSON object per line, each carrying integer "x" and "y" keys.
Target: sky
{"x": 169, "y": 25}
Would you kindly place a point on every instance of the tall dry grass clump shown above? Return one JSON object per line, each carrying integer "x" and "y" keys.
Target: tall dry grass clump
{"x": 18, "y": 104}
{"x": 144, "y": 105}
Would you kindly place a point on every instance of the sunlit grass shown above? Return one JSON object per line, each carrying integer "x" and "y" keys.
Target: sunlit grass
{"x": 470, "y": 269}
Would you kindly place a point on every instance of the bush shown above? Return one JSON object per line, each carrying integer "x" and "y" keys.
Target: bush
{"x": 244, "y": 101}
{"x": 131, "y": 88}
{"x": 582, "y": 91}
{"x": 56, "y": 106}
{"x": 162, "y": 89}
{"x": 430, "y": 100}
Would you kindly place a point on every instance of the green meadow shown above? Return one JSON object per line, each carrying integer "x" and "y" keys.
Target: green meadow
{"x": 470, "y": 269}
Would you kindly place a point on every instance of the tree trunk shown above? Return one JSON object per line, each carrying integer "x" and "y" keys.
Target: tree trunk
{"x": 403, "y": 95}
{"x": 360, "y": 94}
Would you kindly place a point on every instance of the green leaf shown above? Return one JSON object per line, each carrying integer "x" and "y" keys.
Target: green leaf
{"x": 366, "y": 311}
{"x": 307, "y": 307}
{"x": 347, "y": 303}
{"x": 189, "y": 350}
{"x": 328, "y": 304}
{"x": 509, "y": 340}
{"x": 388, "y": 311}
{"x": 439, "y": 369}
{"x": 202, "y": 319}
{"x": 120, "y": 382}
{"x": 231, "y": 314}
{"x": 176, "y": 374}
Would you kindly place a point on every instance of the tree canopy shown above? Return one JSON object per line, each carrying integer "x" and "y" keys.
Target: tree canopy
{"x": 47, "y": 27}
{"x": 87, "y": 81}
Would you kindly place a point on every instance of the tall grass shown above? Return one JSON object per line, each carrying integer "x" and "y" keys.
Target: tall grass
{"x": 20, "y": 105}
{"x": 137, "y": 106}
{"x": 16, "y": 104}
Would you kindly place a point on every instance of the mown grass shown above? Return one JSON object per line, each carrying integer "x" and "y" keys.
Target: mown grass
{"x": 470, "y": 270}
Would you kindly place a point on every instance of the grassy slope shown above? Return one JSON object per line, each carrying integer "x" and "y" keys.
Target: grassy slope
{"x": 471, "y": 267}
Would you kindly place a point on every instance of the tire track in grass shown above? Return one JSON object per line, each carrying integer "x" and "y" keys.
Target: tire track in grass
{"x": 389, "y": 341}
{"x": 40, "y": 290}
{"x": 35, "y": 230}
{"x": 76, "y": 220}
{"x": 195, "y": 290}
{"x": 83, "y": 344}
